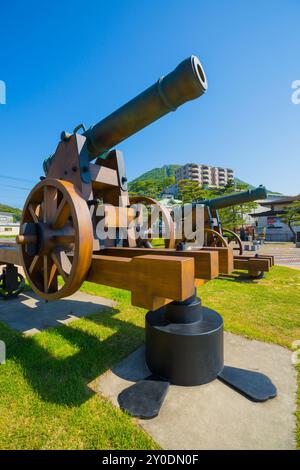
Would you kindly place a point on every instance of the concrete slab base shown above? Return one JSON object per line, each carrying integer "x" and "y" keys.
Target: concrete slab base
{"x": 29, "y": 314}
{"x": 213, "y": 416}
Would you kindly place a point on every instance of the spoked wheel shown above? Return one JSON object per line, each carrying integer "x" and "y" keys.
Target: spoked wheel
{"x": 235, "y": 238}
{"x": 163, "y": 212}
{"x": 258, "y": 275}
{"x": 211, "y": 238}
{"x": 56, "y": 238}
{"x": 214, "y": 238}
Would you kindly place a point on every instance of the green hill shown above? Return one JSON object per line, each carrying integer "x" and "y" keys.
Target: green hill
{"x": 166, "y": 171}
{"x": 12, "y": 210}
{"x": 155, "y": 180}
{"x": 239, "y": 181}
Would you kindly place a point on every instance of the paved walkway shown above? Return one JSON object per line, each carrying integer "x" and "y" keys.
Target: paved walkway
{"x": 214, "y": 416}
{"x": 29, "y": 314}
{"x": 285, "y": 254}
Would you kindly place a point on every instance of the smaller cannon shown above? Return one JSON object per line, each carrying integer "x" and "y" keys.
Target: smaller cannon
{"x": 214, "y": 232}
{"x": 236, "y": 198}
{"x": 216, "y": 236}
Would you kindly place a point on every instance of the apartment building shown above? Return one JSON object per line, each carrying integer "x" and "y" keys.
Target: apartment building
{"x": 205, "y": 175}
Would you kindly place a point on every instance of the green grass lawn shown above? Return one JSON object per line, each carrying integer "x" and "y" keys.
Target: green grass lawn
{"x": 45, "y": 402}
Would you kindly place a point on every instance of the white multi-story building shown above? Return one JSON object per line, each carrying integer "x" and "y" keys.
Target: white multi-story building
{"x": 7, "y": 225}
{"x": 205, "y": 175}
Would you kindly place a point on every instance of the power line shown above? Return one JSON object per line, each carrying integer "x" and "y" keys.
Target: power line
{"x": 13, "y": 187}
{"x": 16, "y": 178}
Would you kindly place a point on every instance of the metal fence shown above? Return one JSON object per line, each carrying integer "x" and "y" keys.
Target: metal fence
{"x": 279, "y": 237}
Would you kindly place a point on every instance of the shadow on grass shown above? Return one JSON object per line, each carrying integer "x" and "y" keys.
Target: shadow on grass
{"x": 64, "y": 381}
{"x": 238, "y": 276}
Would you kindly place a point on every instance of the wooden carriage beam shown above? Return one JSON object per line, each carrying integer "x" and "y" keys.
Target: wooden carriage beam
{"x": 152, "y": 279}
{"x": 252, "y": 265}
{"x": 103, "y": 177}
{"x": 225, "y": 258}
{"x": 10, "y": 255}
{"x": 270, "y": 258}
{"x": 206, "y": 262}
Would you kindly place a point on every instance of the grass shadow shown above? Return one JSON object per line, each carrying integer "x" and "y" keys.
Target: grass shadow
{"x": 237, "y": 276}
{"x": 64, "y": 380}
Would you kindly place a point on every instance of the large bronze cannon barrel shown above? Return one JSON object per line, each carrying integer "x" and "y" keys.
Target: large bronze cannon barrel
{"x": 236, "y": 199}
{"x": 185, "y": 83}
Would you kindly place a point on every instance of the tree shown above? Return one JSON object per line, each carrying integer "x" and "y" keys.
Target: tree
{"x": 234, "y": 216}
{"x": 291, "y": 217}
{"x": 231, "y": 217}
{"x": 191, "y": 191}
{"x": 150, "y": 187}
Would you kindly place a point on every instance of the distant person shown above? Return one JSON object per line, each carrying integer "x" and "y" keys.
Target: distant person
{"x": 243, "y": 234}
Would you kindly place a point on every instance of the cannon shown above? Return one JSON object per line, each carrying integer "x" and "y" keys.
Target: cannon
{"x": 60, "y": 214}
{"x": 219, "y": 238}
{"x": 78, "y": 223}
{"x": 216, "y": 235}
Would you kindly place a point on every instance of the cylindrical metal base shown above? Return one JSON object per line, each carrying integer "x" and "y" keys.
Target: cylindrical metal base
{"x": 184, "y": 343}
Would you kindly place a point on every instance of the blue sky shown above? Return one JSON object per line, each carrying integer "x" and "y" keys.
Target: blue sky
{"x": 67, "y": 62}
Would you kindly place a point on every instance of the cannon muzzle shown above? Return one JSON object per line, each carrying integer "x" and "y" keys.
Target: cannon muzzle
{"x": 185, "y": 83}
{"x": 237, "y": 198}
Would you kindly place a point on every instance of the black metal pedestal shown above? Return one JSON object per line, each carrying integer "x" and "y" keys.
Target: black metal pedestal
{"x": 184, "y": 343}
{"x": 184, "y": 346}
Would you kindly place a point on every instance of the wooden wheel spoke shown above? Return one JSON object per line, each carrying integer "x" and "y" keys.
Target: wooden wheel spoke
{"x": 33, "y": 213}
{"x": 62, "y": 262}
{"x": 35, "y": 264}
{"x": 62, "y": 214}
{"x": 162, "y": 213}
{"x": 50, "y": 204}
{"x": 39, "y": 212}
{"x": 50, "y": 275}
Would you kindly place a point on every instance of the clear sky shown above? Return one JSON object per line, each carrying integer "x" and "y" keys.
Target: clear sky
{"x": 67, "y": 62}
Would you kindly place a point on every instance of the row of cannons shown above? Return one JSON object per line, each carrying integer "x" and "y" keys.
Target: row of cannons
{"x": 59, "y": 248}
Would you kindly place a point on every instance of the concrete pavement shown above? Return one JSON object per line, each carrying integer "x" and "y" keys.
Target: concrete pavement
{"x": 29, "y": 314}
{"x": 213, "y": 416}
